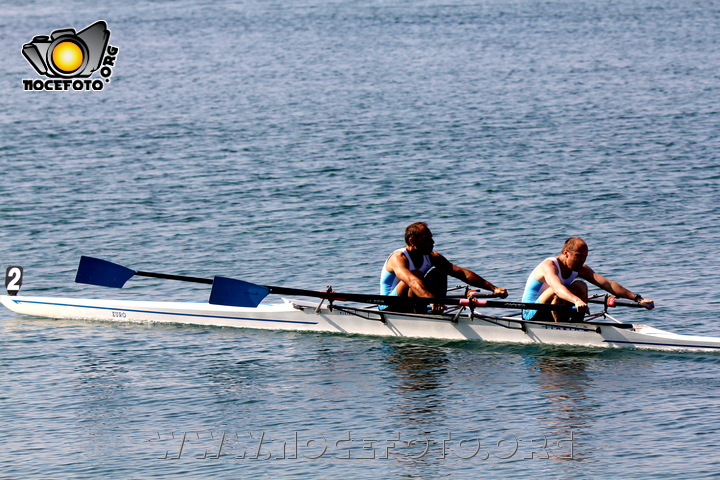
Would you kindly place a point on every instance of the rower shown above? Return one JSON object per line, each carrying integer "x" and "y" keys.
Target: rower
{"x": 556, "y": 281}
{"x": 418, "y": 271}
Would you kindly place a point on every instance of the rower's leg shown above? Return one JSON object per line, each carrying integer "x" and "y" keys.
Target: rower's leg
{"x": 402, "y": 289}
{"x": 580, "y": 289}
{"x": 436, "y": 282}
{"x": 548, "y": 297}
{"x": 557, "y": 315}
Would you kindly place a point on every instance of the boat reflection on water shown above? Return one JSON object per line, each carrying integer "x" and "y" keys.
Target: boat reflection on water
{"x": 527, "y": 403}
{"x": 422, "y": 384}
{"x": 564, "y": 403}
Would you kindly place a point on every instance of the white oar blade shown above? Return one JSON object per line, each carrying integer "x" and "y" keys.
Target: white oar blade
{"x": 236, "y": 293}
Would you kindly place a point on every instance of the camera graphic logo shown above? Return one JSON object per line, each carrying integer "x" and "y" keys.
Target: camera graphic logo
{"x": 67, "y": 54}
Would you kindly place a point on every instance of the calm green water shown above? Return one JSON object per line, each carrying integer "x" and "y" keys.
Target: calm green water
{"x": 290, "y": 144}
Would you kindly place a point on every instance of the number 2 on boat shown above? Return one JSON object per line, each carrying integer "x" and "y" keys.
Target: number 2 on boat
{"x": 13, "y": 279}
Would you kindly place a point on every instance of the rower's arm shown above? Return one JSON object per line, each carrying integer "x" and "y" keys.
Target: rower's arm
{"x": 472, "y": 278}
{"x": 613, "y": 287}
{"x": 398, "y": 264}
{"x": 552, "y": 278}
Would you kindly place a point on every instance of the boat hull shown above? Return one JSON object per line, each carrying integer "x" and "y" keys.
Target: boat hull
{"x": 304, "y": 316}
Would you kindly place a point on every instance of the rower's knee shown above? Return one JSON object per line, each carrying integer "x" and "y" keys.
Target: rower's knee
{"x": 548, "y": 296}
{"x": 579, "y": 288}
{"x": 436, "y": 282}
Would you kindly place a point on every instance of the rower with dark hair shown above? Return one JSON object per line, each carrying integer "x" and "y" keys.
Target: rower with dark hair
{"x": 418, "y": 271}
{"x": 555, "y": 281}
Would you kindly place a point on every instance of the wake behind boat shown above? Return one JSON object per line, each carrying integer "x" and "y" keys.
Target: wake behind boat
{"x": 234, "y": 303}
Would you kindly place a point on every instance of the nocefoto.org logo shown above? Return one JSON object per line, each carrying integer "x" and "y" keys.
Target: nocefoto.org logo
{"x": 68, "y": 58}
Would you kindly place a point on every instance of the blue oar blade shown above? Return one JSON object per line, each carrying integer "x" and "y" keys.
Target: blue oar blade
{"x": 95, "y": 271}
{"x": 236, "y": 293}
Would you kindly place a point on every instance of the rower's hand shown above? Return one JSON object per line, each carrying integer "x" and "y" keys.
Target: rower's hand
{"x": 582, "y": 307}
{"x": 500, "y": 292}
{"x": 438, "y": 309}
{"x": 647, "y": 303}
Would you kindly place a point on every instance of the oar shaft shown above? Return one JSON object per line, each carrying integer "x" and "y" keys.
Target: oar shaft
{"x": 362, "y": 298}
{"x": 182, "y": 278}
{"x": 612, "y": 302}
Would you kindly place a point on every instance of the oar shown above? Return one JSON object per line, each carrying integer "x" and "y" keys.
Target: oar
{"x": 229, "y": 291}
{"x": 233, "y": 292}
{"x": 238, "y": 293}
{"x": 611, "y": 302}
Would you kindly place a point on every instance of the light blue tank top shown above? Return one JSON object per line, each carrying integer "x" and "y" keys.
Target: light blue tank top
{"x": 388, "y": 281}
{"x": 535, "y": 288}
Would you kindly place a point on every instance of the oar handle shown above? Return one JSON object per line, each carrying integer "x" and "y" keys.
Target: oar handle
{"x": 616, "y": 302}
